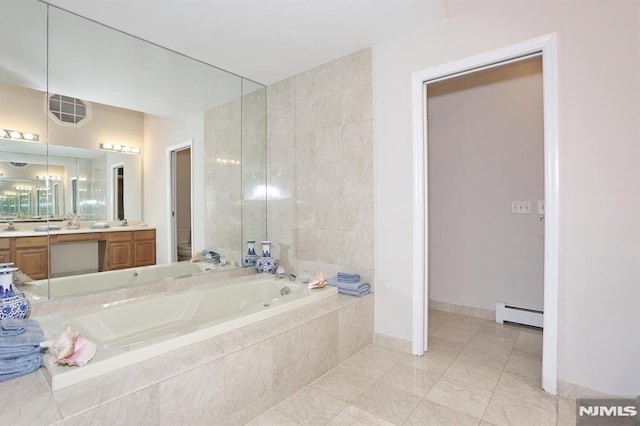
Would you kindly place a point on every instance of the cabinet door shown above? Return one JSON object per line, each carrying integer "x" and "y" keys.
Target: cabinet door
{"x": 33, "y": 261}
{"x": 5, "y": 256}
{"x": 145, "y": 253}
{"x": 120, "y": 255}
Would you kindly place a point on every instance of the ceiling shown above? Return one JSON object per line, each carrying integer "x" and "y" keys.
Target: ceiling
{"x": 262, "y": 40}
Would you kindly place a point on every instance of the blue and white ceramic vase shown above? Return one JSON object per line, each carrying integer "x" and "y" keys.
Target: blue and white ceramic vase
{"x": 251, "y": 257}
{"x": 13, "y": 303}
{"x": 266, "y": 263}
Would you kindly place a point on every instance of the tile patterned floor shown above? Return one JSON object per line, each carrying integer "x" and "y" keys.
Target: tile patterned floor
{"x": 476, "y": 372}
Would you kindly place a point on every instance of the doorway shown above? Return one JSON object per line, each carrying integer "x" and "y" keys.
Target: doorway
{"x": 118, "y": 192}
{"x": 181, "y": 233}
{"x": 546, "y": 47}
{"x": 485, "y": 180}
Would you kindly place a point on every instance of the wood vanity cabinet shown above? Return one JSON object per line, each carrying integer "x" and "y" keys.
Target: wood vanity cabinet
{"x": 120, "y": 250}
{"x": 32, "y": 256}
{"x": 144, "y": 247}
{"x": 127, "y": 249}
{"x": 5, "y": 250}
{"x": 116, "y": 250}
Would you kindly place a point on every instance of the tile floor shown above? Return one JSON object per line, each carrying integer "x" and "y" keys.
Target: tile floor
{"x": 476, "y": 372}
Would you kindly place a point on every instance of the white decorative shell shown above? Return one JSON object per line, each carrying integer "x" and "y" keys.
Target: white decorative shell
{"x": 70, "y": 348}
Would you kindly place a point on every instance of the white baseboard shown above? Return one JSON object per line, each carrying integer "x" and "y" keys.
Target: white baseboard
{"x": 462, "y": 310}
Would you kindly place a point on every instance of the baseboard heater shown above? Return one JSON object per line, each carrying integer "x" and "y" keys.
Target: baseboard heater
{"x": 518, "y": 315}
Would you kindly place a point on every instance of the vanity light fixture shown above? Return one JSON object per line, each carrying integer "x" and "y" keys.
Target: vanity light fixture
{"x": 18, "y": 136}
{"x": 227, "y": 161}
{"x": 120, "y": 148}
{"x": 49, "y": 177}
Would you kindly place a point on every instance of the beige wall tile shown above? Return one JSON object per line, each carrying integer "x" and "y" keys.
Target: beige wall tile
{"x": 138, "y": 408}
{"x": 248, "y": 376}
{"x": 194, "y": 397}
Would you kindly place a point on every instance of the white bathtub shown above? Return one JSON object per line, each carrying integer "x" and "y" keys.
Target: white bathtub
{"x": 134, "y": 330}
{"x": 111, "y": 280}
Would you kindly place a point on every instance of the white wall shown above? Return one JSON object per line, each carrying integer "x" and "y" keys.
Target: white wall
{"x": 485, "y": 151}
{"x": 599, "y": 108}
{"x": 159, "y": 134}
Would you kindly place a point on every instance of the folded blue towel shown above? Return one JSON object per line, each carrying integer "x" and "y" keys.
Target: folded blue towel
{"x": 365, "y": 289}
{"x": 27, "y": 342}
{"x": 19, "y": 366}
{"x": 348, "y": 278}
{"x": 11, "y": 327}
{"x": 357, "y": 287}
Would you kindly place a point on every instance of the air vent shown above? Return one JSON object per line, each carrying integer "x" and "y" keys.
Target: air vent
{"x": 69, "y": 111}
{"x": 16, "y": 164}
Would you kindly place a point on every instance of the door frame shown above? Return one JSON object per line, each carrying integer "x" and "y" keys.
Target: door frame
{"x": 171, "y": 199}
{"x": 112, "y": 192}
{"x": 546, "y": 45}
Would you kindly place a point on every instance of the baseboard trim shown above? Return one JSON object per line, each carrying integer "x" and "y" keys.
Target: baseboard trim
{"x": 573, "y": 391}
{"x": 463, "y": 310}
{"x": 392, "y": 342}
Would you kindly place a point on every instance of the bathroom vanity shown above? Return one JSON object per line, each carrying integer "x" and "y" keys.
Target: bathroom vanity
{"x": 118, "y": 248}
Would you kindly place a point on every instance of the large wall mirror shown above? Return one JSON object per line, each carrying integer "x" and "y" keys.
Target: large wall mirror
{"x": 90, "y": 121}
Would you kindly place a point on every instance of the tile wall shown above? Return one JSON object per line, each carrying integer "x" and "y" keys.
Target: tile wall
{"x": 320, "y": 168}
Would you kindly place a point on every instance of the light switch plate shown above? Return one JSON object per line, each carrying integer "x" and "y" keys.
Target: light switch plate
{"x": 540, "y": 206}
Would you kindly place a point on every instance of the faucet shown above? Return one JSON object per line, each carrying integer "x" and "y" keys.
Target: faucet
{"x": 124, "y": 222}
{"x": 10, "y": 226}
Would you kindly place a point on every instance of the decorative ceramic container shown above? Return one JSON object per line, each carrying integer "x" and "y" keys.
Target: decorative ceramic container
{"x": 251, "y": 257}
{"x": 266, "y": 263}
{"x": 266, "y": 249}
{"x": 6, "y": 282}
{"x": 16, "y": 306}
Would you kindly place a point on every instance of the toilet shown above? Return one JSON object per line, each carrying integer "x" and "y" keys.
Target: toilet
{"x": 184, "y": 251}
{"x": 184, "y": 246}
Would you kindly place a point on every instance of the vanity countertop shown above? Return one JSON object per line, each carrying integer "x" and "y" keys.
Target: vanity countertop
{"x": 23, "y": 231}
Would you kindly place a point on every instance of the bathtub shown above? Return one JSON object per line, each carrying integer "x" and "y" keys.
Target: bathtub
{"x": 134, "y": 330}
{"x": 111, "y": 280}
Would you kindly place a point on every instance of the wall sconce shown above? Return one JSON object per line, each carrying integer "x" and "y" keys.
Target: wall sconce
{"x": 120, "y": 148}
{"x": 49, "y": 177}
{"x": 18, "y": 136}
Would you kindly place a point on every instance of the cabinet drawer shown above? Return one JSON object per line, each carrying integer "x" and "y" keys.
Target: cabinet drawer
{"x": 72, "y": 238}
{"x": 121, "y": 236}
{"x": 5, "y": 243}
{"x": 145, "y": 235}
{"x": 22, "y": 242}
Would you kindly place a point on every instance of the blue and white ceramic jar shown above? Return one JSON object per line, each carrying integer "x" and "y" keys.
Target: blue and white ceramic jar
{"x": 6, "y": 281}
{"x": 251, "y": 258}
{"x": 15, "y": 307}
{"x": 266, "y": 263}
{"x": 13, "y": 303}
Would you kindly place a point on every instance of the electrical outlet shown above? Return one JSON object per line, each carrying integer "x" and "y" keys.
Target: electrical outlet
{"x": 521, "y": 207}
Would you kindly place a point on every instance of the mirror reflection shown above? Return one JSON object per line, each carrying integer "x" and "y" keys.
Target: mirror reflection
{"x": 108, "y": 115}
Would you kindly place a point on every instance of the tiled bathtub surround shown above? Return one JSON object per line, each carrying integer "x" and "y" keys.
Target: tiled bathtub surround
{"x": 229, "y": 379}
{"x": 320, "y": 166}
